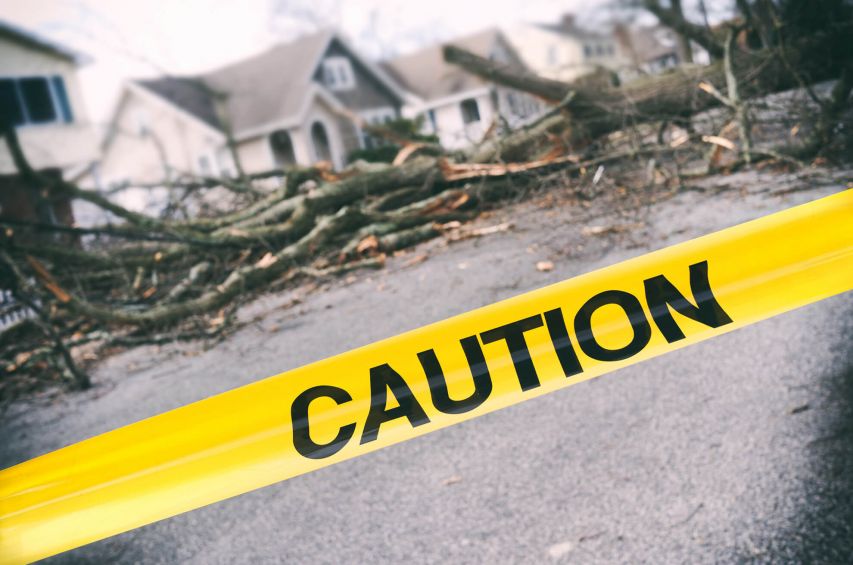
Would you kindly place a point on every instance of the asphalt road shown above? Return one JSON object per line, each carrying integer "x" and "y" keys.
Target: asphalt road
{"x": 737, "y": 449}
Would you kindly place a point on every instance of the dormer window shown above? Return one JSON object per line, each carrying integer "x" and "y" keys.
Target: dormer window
{"x": 337, "y": 73}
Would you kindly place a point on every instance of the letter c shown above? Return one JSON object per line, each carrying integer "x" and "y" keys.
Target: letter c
{"x": 299, "y": 416}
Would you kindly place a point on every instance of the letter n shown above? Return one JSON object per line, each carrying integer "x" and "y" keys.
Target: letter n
{"x": 661, "y": 295}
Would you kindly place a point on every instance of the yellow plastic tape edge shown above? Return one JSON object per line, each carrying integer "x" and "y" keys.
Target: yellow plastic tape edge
{"x": 426, "y": 379}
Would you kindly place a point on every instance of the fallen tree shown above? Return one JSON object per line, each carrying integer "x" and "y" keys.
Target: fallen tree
{"x": 153, "y": 277}
{"x": 591, "y": 111}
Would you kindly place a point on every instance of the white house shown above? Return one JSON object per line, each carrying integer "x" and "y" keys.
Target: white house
{"x": 456, "y": 105}
{"x": 288, "y": 105}
{"x": 654, "y": 49}
{"x": 40, "y": 94}
{"x": 564, "y": 51}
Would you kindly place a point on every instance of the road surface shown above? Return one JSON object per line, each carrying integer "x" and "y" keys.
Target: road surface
{"x": 736, "y": 449}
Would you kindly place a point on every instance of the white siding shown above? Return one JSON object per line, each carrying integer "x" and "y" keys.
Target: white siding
{"x": 62, "y": 145}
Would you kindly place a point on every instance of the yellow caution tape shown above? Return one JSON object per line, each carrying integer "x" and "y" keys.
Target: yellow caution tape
{"x": 426, "y": 379}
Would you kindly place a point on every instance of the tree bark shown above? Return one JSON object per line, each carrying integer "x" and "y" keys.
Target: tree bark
{"x": 671, "y": 18}
{"x": 597, "y": 111}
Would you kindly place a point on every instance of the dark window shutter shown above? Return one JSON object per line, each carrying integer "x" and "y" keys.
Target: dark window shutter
{"x": 62, "y": 99}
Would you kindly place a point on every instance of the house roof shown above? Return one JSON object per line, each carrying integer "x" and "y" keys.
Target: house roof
{"x": 188, "y": 94}
{"x": 571, "y": 31}
{"x": 428, "y": 75}
{"x": 645, "y": 44}
{"x": 270, "y": 87}
{"x": 35, "y": 41}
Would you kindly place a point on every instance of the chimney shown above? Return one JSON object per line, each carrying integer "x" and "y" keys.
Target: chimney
{"x": 568, "y": 21}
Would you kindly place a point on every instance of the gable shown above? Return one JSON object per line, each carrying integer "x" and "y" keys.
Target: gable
{"x": 189, "y": 94}
{"x": 368, "y": 90}
{"x": 429, "y": 76}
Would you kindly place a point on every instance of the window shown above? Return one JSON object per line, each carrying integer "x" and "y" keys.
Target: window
{"x": 34, "y": 100}
{"x": 470, "y": 111}
{"x": 587, "y": 51}
{"x": 552, "y": 54}
{"x": 204, "y": 168}
{"x": 337, "y": 73}
{"x": 375, "y": 117}
{"x": 141, "y": 121}
{"x": 432, "y": 120}
{"x": 512, "y": 103}
{"x": 282, "y": 149}
{"x": 320, "y": 139}
{"x": 599, "y": 50}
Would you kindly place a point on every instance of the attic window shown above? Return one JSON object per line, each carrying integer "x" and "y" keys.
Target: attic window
{"x": 337, "y": 73}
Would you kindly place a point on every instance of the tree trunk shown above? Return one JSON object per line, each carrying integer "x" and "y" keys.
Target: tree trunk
{"x": 597, "y": 111}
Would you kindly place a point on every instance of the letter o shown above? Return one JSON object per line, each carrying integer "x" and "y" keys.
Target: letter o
{"x": 636, "y": 316}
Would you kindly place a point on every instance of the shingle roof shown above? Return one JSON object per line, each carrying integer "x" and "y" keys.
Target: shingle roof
{"x": 267, "y": 87}
{"x": 426, "y": 73}
{"x": 645, "y": 44}
{"x": 573, "y": 31}
{"x": 187, "y": 94}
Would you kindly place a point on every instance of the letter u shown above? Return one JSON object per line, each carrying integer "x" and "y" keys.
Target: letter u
{"x": 438, "y": 382}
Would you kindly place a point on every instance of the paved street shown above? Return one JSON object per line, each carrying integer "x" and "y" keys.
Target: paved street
{"x": 737, "y": 449}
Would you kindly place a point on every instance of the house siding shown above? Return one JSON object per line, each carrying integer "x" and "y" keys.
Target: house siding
{"x": 61, "y": 145}
{"x": 537, "y": 46}
{"x": 451, "y": 129}
{"x": 130, "y": 156}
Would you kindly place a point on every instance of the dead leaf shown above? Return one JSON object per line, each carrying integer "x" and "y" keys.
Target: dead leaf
{"x": 415, "y": 260}
{"x": 593, "y": 230}
{"x": 459, "y": 202}
{"x": 22, "y": 357}
{"x": 238, "y": 232}
{"x": 544, "y": 266}
{"x": 478, "y": 232}
{"x": 369, "y": 243}
{"x": 489, "y": 230}
{"x": 266, "y": 261}
{"x": 149, "y": 292}
{"x": 721, "y": 141}
{"x": 707, "y": 87}
{"x": 798, "y": 409}
{"x": 158, "y": 256}
{"x": 680, "y": 140}
{"x": 451, "y": 480}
